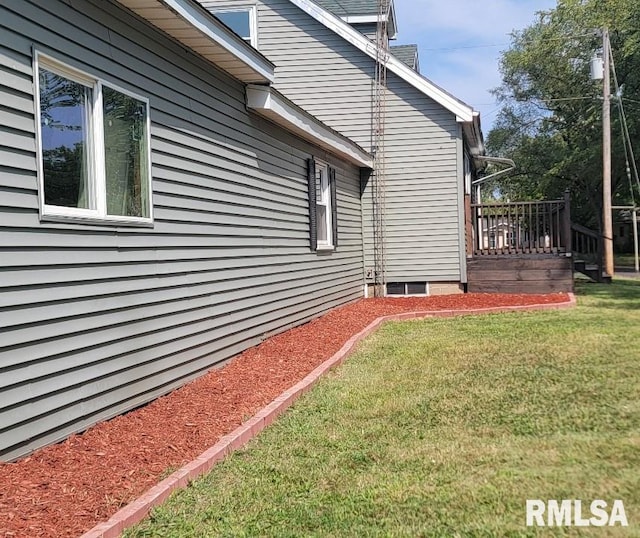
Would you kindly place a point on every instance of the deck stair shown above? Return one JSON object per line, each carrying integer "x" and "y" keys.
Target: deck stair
{"x": 587, "y": 249}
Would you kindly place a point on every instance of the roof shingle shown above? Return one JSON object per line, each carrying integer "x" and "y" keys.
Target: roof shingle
{"x": 407, "y": 54}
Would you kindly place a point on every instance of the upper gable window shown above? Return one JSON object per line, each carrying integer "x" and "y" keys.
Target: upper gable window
{"x": 242, "y": 20}
{"x": 93, "y": 145}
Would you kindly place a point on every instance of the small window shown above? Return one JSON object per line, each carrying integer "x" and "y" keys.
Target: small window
{"x": 395, "y": 288}
{"x": 416, "y": 288}
{"x": 93, "y": 147}
{"x": 406, "y": 288}
{"x": 241, "y": 20}
{"x": 322, "y": 205}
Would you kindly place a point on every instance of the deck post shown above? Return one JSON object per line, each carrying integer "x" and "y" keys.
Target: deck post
{"x": 468, "y": 225}
{"x": 566, "y": 222}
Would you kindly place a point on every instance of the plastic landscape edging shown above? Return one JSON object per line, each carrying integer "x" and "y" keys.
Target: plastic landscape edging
{"x": 138, "y": 509}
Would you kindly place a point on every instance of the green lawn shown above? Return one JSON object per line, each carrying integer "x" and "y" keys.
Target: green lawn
{"x": 444, "y": 427}
{"x": 625, "y": 260}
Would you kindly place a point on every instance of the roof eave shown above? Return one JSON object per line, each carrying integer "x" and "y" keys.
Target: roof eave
{"x": 272, "y": 105}
{"x": 472, "y": 132}
{"x": 391, "y": 21}
{"x": 195, "y": 28}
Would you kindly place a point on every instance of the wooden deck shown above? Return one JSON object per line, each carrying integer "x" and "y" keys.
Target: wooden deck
{"x": 520, "y": 273}
{"x": 520, "y": 247}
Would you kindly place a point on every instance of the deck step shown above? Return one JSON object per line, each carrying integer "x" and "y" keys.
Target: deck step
{"x": 591, "y": 270}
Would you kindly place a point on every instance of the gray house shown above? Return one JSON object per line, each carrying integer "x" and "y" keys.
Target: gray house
{"x": 325, "y": 56}
{"x": 162, "y": 208}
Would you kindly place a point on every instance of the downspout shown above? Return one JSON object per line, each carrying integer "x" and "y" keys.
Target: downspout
{"x": 462, "y": 254}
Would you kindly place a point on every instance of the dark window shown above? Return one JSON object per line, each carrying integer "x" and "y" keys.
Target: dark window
{"x": 416, "y": 288}
{"x": 407, "y": 288}
{"x": 395, "y": 288}
{"x": 65, "y": 112}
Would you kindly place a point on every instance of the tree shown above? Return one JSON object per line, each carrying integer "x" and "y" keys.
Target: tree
{"x": 550, "y": 121}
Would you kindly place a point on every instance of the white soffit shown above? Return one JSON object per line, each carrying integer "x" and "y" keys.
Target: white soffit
{"x": 269, "y": 103}
{"x": 198, "y": 30}
{"x": 463, "y": 112}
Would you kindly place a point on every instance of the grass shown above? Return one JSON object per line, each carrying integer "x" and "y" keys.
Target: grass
{"x": 625, "y": 260}
{"x": 444, "y": 427}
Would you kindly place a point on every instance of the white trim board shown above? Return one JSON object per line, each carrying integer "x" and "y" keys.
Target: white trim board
{"x": 389, "y": 18}
{"x": 272, "y": 105}
{"x": 174, "y": 17}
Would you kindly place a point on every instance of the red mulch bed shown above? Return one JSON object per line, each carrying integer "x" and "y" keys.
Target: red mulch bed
{"x": 65, "y": 489}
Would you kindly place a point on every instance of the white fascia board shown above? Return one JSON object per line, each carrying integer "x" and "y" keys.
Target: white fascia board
{"x": 223, "y": 37}
{"x": 269, "y": 103}
{"x": 362, "y": 19}
{"x": 204, "y": 24}
{"x": 463, "y": 112}
{"x": 372, "y": 19}
{"x": 472, "y": 133}
{"x": 392, "y": 20}
{"x": 389, "y": 18}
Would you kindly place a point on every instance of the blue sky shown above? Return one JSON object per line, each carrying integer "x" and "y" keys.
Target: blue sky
{"x": 473, "y": 32}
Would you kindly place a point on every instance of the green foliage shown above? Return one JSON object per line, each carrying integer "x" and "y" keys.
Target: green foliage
{"x": 551, "y": 121}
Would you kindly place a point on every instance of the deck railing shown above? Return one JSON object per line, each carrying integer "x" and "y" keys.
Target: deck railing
{"x": 520, "y": 227}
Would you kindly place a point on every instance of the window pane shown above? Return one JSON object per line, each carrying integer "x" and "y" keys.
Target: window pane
{"x": 125, "y": 140}
{"x": 395, "y": 288}
{"x": 416, "y": 288}
{"x": 65, "y": 111}
{"x": 238, "y": 21}
{"x": 321, "y": 217}
{"x": 319, "y": 185}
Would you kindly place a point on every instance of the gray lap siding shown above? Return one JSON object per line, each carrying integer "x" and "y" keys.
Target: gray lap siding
{"x": 97, "y": 319}
{"x": 328, "y": 76}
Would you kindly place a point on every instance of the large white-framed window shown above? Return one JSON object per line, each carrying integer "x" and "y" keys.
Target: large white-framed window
{"x": 323, "y": 214}
{"x": 241, "y": 19}
{"x": 94, "y": 161}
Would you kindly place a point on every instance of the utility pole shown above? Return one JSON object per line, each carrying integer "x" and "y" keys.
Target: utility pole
{"x": 607, "y": 224}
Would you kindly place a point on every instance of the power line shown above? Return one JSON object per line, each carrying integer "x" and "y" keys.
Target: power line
{"x": 550, "y": 99}
{"x": 490, "y": 45}
{"x": 486, "y": 46}
{"x": 581, "y": 98}
{"x": 625, "y": 133}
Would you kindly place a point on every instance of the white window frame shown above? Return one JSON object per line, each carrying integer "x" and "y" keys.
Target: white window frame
{"x": 253, "y": 19}
{"x": 96, "y": 172}
{"x": 325, "y": 200}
